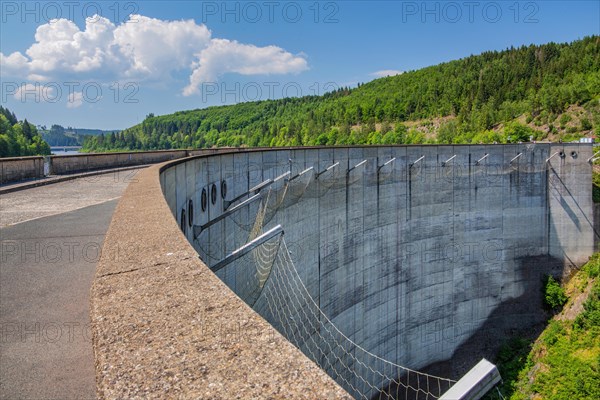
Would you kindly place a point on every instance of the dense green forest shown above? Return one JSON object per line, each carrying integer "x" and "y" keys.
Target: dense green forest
{"x": 19, "y": 138}
{"x": 547, "y": 92}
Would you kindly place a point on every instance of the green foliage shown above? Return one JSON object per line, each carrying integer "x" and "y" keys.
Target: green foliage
{"x": 512, "y": 358}
{"x": 478, "y": 93}
{"x": 590, "y": 317}
{"x": 592, "y": 268}
{"x": 554, "y": 295}
{"x": 57, "y": 136}
{"x": 564, "y": 363}
{"x": 515, "y": 132}
{"x": 19, "y": 138}
{"x": 586, "y": 124}
{"x": 488, "y": 137}
{"x": 596, "y": 186}
{"x": 572, "y": 356}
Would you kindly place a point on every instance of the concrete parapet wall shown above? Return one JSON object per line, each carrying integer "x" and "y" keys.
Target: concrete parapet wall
{"x": 21, "y": 168}
{"x": 429, "y": 260}
{"x": 164, "y": 326}
{"x": 88, "y": 162}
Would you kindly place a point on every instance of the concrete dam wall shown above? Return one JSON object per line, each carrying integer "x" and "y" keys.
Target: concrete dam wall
{"x": 425, "y": 257}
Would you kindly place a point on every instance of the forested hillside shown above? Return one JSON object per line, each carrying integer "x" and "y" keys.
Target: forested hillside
{"x": 19, "y": 138}
{"x": 544, "y": 92}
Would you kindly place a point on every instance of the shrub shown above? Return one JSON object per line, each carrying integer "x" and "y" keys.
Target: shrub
{"x": 554, "y": 295}
{"x": 586, "y": 125}
{"x": 590, "y": 317}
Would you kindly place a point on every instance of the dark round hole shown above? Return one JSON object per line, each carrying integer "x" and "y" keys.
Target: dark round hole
{"x": 213, "y": 194}
{"x": 561, "y": 154}
{"x": 203, "y": 200}
{"x": 190, "y": 212}
{"x": 574, "y": 154}
{"x": 182, "y": 220}
{"x": 223, "y": 189}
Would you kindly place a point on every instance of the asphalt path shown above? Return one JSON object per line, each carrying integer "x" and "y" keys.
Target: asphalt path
{"x": 46, "y": 270}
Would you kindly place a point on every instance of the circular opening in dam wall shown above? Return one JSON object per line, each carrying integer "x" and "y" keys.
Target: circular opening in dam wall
{"x": 182, "y": 221}
{"x": 223, "y": 189}
{"x": 203, "y": 200}
{"x": 213, "y": 194}
{"x": 190, "y": 212}
{"x": 415, "y": 269}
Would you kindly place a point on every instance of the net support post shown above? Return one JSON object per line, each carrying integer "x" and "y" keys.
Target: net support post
{"x": 248, "y": 247}
{"x": 482, "y": 378}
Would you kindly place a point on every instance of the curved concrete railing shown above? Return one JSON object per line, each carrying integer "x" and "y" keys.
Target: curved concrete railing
{"x": 16, "y": 169}
{"x": 164, "y": 326}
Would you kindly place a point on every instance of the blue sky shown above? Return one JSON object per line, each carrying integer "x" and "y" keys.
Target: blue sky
{"x": 132, "y": 58}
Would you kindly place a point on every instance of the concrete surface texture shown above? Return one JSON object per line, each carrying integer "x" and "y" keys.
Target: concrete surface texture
{"x": 46, "y": 272}
{"x": 50, "y": 242}
{"x": 20, "y": 168}
{"x": 87, "y": 162}
{"x": 426, "y": 256}
{"x": 164, "y": 326}
{"x": 61, "y": 197}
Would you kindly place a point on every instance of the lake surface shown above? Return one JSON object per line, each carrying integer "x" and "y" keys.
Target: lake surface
{"x": 60, "y": 152}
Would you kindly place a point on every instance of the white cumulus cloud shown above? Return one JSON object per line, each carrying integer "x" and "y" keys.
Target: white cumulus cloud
{"x": 154, "y": 47}
{"x": 35, "y": 92}
{"x": 75, "y": 100}
{"x": 144, "y": 49}
{"x": 224, "y": 56}
{"x": 386, "y": 72}
{"x": 13, "y": 64}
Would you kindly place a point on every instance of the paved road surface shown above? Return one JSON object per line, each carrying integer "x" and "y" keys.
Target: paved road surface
{"x": 62, "y": 197}
{"x": 47, "y": 265}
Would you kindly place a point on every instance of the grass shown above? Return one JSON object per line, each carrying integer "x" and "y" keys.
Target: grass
{"x": 564, "y": 362}
{"x": 596, "y": 186}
